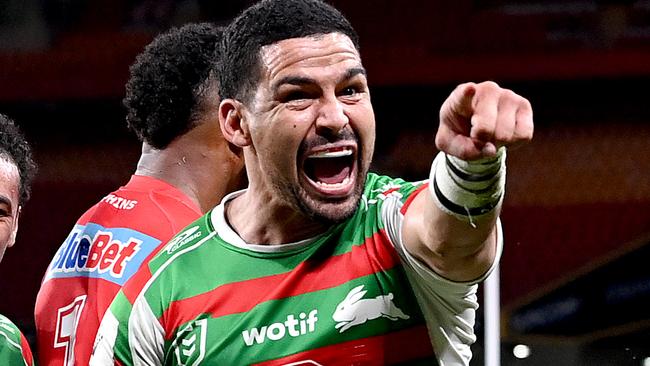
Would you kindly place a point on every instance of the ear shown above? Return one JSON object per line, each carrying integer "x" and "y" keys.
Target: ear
{"x": 233, "y": 125}
{"x": 14, "y": 229}
{"x": 353, "y": 295}
{"x": 356, "y": 297}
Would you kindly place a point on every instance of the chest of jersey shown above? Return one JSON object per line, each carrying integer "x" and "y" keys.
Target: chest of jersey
{"x": 334, "y": 301}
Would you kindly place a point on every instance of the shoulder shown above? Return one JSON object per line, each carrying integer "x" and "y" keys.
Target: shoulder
{"x": 194, "y": 248}
{"x": 13, "y": 345}
{"x": 185, "y": 245}
{"x": 7, "y": 325}
{"x": 380, "y": 188}
{"x": 158, "y": 212}
{"x": 112, "y": 244}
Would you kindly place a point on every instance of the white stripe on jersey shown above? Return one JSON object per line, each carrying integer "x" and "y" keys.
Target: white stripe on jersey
{"x": 103, "y": 349}
{"x": 9, "y": 341}
{"x": 170, "y": 260}
{"x": 146, "y": 335}
{"x": 8, "y": 326}
{"x": 148, "y": 344}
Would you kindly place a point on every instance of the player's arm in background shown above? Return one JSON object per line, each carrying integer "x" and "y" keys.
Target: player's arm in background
{"x": 112, "y": 344}
{"x": 451, "y": 225}
{"x": 129, "y": 333}
{"x": 14, "y": 349}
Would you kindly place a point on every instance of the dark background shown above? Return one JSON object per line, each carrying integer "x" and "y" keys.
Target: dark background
{"x": 574, "y": 274}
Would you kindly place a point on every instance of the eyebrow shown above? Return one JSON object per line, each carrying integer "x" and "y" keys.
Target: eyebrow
{"x": 293, "y": 80}
{"x": 302, "y": 80}
{"x": 354, "y": 72}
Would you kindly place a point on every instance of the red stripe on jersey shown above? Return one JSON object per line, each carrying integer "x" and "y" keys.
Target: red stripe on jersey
{"x": 136, "y": 283}
{"x": 412, "y": 197}
{"x": 405, "y": 345}
{"x": 27, "y": 352}
{"x": 374, "y": 255}
{"x": 389, "y": 191}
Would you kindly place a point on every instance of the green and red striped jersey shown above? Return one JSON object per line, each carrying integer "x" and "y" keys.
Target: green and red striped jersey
{"x": 351, "y": 295}
{"x": 14, "y": 349}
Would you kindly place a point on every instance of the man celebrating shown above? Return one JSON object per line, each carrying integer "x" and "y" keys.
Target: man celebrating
{"x": 186, "y": 167}
{"x": 320, "y": 262}
{"x": 17, "y": 171}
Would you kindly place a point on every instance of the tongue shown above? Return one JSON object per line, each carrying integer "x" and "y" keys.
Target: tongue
{"x": 330, "y": 171}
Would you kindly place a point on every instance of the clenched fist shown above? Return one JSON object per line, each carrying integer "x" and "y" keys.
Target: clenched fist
{"x": 477, "y": 119}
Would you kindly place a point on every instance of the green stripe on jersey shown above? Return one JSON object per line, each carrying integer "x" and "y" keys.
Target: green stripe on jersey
{"x": 226, "y": 299}
{"x": 207, "y": 258}
{"x": 215, "y": 256}
{"x": 121, "y": 309}
{"x": 278, "y": 328}
{"x": 11, "y": 352}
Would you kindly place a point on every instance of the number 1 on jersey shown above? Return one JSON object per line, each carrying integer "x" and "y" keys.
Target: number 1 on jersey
{"x": 66, "y": 327}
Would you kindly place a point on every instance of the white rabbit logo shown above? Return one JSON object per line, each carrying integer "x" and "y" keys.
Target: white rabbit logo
{"x": 354, "y": 310}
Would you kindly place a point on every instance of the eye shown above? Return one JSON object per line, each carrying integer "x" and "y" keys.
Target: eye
{"x": 350, "y": 91}
{"x": 294, "y": 95}
{"x": 353, "y": 88}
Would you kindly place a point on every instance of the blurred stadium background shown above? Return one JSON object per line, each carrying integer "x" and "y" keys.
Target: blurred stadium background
{"x": 575, "y": 279}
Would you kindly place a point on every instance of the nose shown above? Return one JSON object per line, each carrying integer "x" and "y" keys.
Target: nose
{"x": 331, "y": 116}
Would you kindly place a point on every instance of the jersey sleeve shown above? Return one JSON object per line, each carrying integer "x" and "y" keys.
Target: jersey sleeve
{"x": 14, "y": 349}
{"x": 129, "y": 334}
{"x": 449, "y": 307}
{"x": 111, "y": 343}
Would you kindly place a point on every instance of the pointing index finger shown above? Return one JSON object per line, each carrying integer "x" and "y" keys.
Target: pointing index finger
{"x": 460, "y": 101}
{"x": 485, "y": 111}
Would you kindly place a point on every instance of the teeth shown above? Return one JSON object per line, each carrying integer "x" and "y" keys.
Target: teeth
{"x": 331, "y": 154}
{"x": 334, "y": 185}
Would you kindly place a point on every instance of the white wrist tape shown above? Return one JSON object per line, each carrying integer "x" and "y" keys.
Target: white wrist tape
{"x": 468, "y": 189}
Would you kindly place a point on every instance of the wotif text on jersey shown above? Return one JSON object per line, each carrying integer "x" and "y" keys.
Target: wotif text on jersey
{"x": 276, "y": 331}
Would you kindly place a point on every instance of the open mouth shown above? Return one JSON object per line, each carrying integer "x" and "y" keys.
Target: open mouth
{"x": 331, "y": 171}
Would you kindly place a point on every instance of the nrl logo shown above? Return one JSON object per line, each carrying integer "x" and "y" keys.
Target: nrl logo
{"x": 182, "y": 239}
{"x": 189, "y": 345}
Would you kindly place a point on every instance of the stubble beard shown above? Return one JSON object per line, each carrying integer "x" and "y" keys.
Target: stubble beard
{"x": 325, "y": 211}
{"x": 334, "y": 210}
{"x": 329, "y": 211}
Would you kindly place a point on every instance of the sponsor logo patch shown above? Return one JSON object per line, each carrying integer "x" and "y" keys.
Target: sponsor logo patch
{"x": 94, "y": 251}
{"x": 182, "y": 239}
{"x": 293, "y": 326}
{"x": 355, "y": 310}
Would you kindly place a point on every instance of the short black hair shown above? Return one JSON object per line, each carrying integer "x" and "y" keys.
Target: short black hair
{"x": 265, "y": 23}
{"x": 170, "y": 81}
{"x": 14, "y": 146}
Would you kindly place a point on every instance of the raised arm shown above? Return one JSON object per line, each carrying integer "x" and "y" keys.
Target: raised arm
{"x": 451, "y": 225}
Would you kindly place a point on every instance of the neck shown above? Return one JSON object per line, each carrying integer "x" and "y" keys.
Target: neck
{"x": 260, "y": 217}
{"x": 205, "y": 169}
